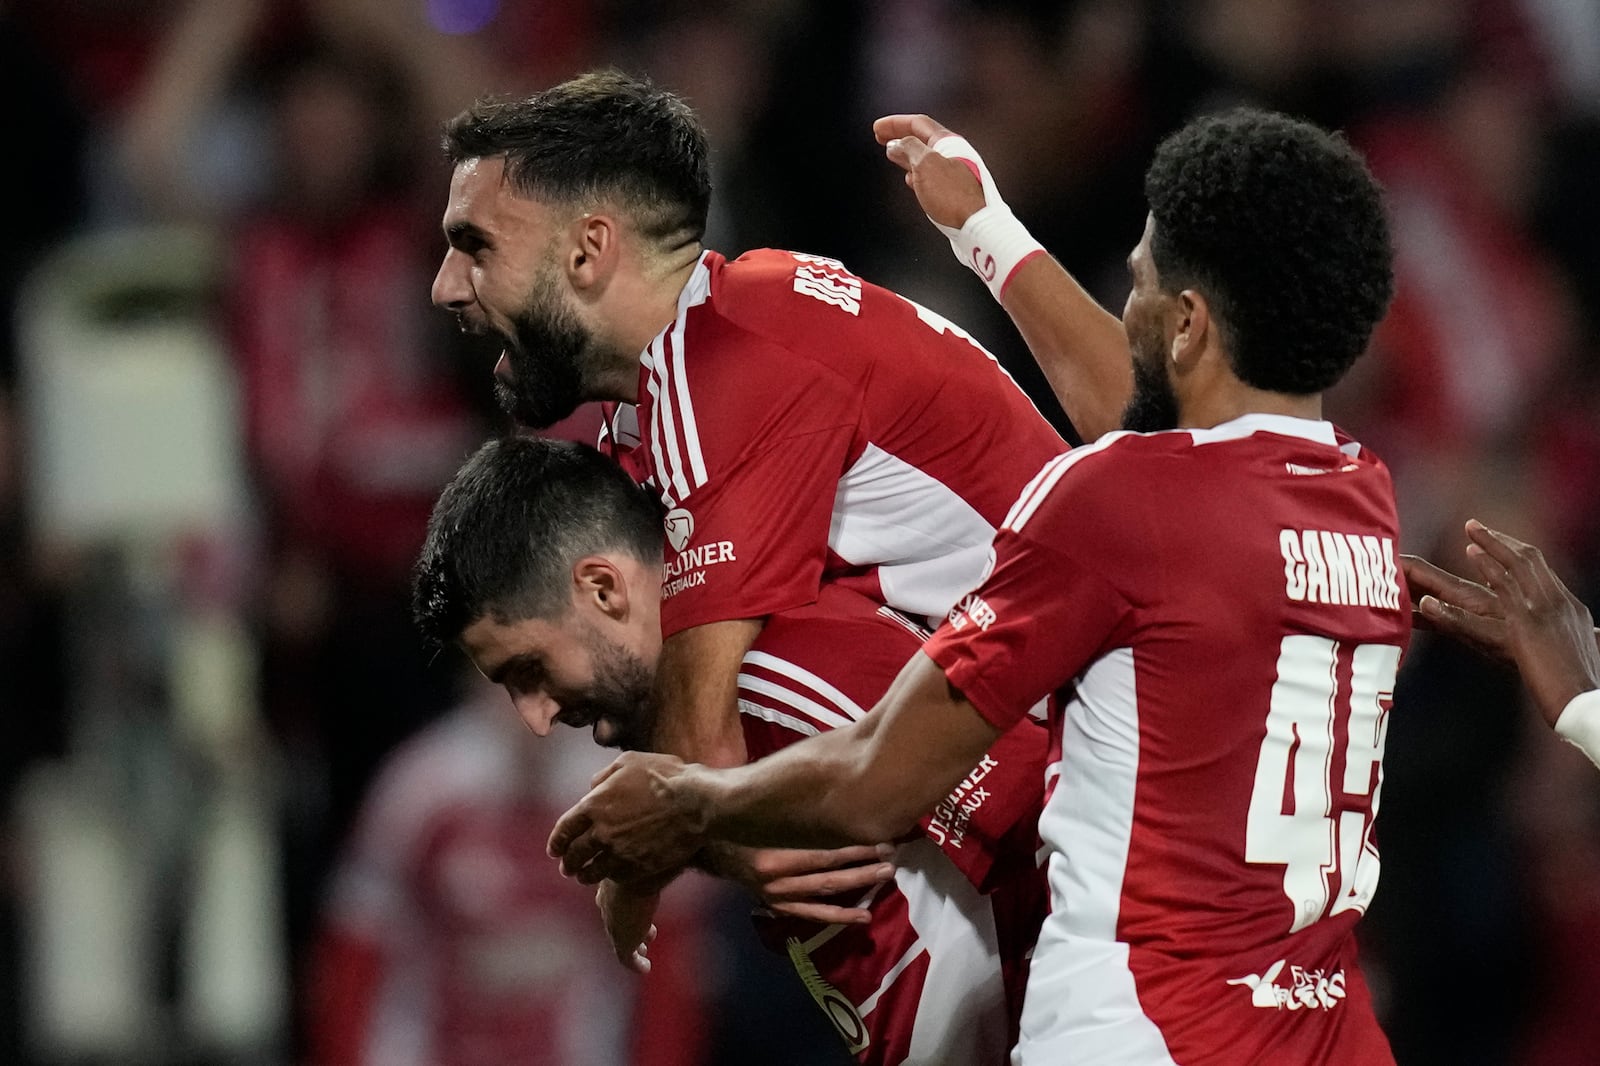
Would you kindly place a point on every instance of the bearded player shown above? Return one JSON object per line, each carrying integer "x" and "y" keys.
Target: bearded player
{"x": 800, "y": 425}
{"x": 1219, "y": 608}
{"x": 543, "y": 563}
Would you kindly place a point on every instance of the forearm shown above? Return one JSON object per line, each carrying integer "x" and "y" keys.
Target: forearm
{"x": 818, "y": 794}
{"x": 867, "y": 782}
{"x": 1080, "y": 346}
{"x": 697, "y": 693}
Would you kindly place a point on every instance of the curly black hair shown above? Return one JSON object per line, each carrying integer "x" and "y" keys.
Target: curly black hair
{"x": 1281, "y": 226}
{"x": 506, "y": 530}
{"x": 602, "y": 135}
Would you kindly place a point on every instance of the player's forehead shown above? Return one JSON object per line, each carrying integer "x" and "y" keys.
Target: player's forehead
{"x": 483, "y": 200}
{"x": 491, "y": 643}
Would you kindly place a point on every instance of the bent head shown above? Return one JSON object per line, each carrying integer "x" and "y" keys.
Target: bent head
{"x": 561, "y": 205}
{"x": 543, "y": 562}
{"x": 1267, "y": 241}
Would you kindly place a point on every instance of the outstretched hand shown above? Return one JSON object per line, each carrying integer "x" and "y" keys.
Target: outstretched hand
{"x": 628, "y": 828}
{"x": 1522, "y": 612}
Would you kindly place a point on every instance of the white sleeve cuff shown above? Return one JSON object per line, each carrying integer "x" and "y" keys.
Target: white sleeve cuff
{"x": 1579, "y": 724}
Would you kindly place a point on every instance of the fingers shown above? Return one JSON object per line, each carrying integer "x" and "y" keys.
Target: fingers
{"x": 906, "y": 152}
{"x": 638, "y": 959}
{"x": 894, "y": 127}
{"x": 787, "y": 862}
{"x": 568, "y": 829}
{"x": 823, "y": 913}
{"x": 1487, "y": 634}
{"x": 831, "y": 883}
{"x": 1425, "y": 579}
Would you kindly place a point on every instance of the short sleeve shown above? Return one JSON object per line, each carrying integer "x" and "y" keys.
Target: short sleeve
{"x": 1049, "y": 606}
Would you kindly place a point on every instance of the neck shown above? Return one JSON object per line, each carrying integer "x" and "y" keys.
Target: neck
{"x": 650, "y": 306}
{"x": 1224, "y": 405}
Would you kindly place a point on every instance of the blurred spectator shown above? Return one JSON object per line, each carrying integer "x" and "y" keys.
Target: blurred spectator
{"x": 450, "y": 939}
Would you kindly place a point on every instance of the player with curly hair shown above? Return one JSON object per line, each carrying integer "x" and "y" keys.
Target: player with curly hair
{"x": 1215, "y": 601}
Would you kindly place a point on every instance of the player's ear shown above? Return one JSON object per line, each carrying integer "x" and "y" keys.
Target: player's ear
{"x": 1192, "y": 319}
{"x": 599, "y": 583}
{"x": 595, "y": 250}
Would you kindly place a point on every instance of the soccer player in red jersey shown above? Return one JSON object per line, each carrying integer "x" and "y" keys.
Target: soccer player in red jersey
{"x": 543, "y": 561}
{"x": 801, "y": 425}
{"x": 1217, "y": 602}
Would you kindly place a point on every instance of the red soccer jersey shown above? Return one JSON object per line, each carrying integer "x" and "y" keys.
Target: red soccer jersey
{"x": 801, "y": 424}
{"x": 937, "y": 975}
{"x": 1223, "y": 616}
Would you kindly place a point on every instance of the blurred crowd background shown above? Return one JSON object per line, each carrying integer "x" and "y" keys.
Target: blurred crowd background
{"x": 247, "y": 820}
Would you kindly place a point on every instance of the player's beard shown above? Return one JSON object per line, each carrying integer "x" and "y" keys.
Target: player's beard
{"x": 619, "y": 703}
{"x": 548, "y": 351}
{"x": 1153, "y": 405}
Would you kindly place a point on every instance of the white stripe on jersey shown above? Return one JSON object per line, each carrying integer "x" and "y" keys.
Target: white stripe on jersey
{"x": 674, "y": 433}
{"x": 808, "y": 685}
{"x": 1082, "y": 1004}
{"x": 1045, "y": 480}
{"x": 868, "y": 1005}
{"x": 778, "y": 718}
{"x": 663, "y": 427}
{"x": 961, "y": 1009}
{"x": 691, "y": 431}
{"x": 824, "y": 717}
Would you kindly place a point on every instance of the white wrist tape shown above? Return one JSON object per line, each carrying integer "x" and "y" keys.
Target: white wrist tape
{"x": 992, "y": 243}
{"x": 1579, "y": 724}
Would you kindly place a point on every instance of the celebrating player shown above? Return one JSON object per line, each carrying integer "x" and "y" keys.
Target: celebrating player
{"x": 1219, "y": 608}
{"x": 543, "y": 560}
{"x": 800, "y": 424}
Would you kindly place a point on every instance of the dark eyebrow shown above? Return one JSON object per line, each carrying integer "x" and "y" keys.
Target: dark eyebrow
{"x": 510, "y": 666}
{"x": 465, "y": 234}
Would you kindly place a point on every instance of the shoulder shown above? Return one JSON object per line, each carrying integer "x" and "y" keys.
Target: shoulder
{"x": 1111, "y": 471}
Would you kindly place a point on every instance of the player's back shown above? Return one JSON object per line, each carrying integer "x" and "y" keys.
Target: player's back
{"x": 1221, "y": 757}
{"x": 937, "y": 975}
{"x": 1220, "y": 615}
{"x": 820, "y": 426}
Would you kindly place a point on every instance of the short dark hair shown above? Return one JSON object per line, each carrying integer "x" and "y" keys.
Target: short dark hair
{"x": 1281, "y": 226}
{"x": 508, "y": 527}
{"x": 605, "y": 135}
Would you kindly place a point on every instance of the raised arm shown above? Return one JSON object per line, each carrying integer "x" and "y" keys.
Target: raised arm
{"x": 867, "y": 782}
{"x": 1080, "y": 346}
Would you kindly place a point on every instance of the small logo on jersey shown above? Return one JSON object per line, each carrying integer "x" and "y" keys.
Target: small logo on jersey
{"x": 827, "y": 280}
{"x": 680, "y": 527}
{"x": 972, "y": 611}
{"x": 840, "y": 1011}
{"x": 948, "y": 827}
{"x": 1342, "y": 569}
{"x": 1307, "y": 989}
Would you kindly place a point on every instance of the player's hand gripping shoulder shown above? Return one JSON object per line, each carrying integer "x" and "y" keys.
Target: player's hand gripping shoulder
{"x": 1522, "y": 613}
{"x": 630, "y": 827}
{"x": 959, "y": 196}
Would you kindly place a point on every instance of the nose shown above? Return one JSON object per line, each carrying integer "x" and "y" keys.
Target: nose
{"x": 451, "y": 290}
{"x": 537, "y": 710}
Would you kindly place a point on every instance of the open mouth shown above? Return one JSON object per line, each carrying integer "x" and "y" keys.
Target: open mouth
{"x": 502, "y": 369}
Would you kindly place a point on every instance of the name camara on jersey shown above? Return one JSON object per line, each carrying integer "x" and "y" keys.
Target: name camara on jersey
{"x": 1341, "y": 569}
